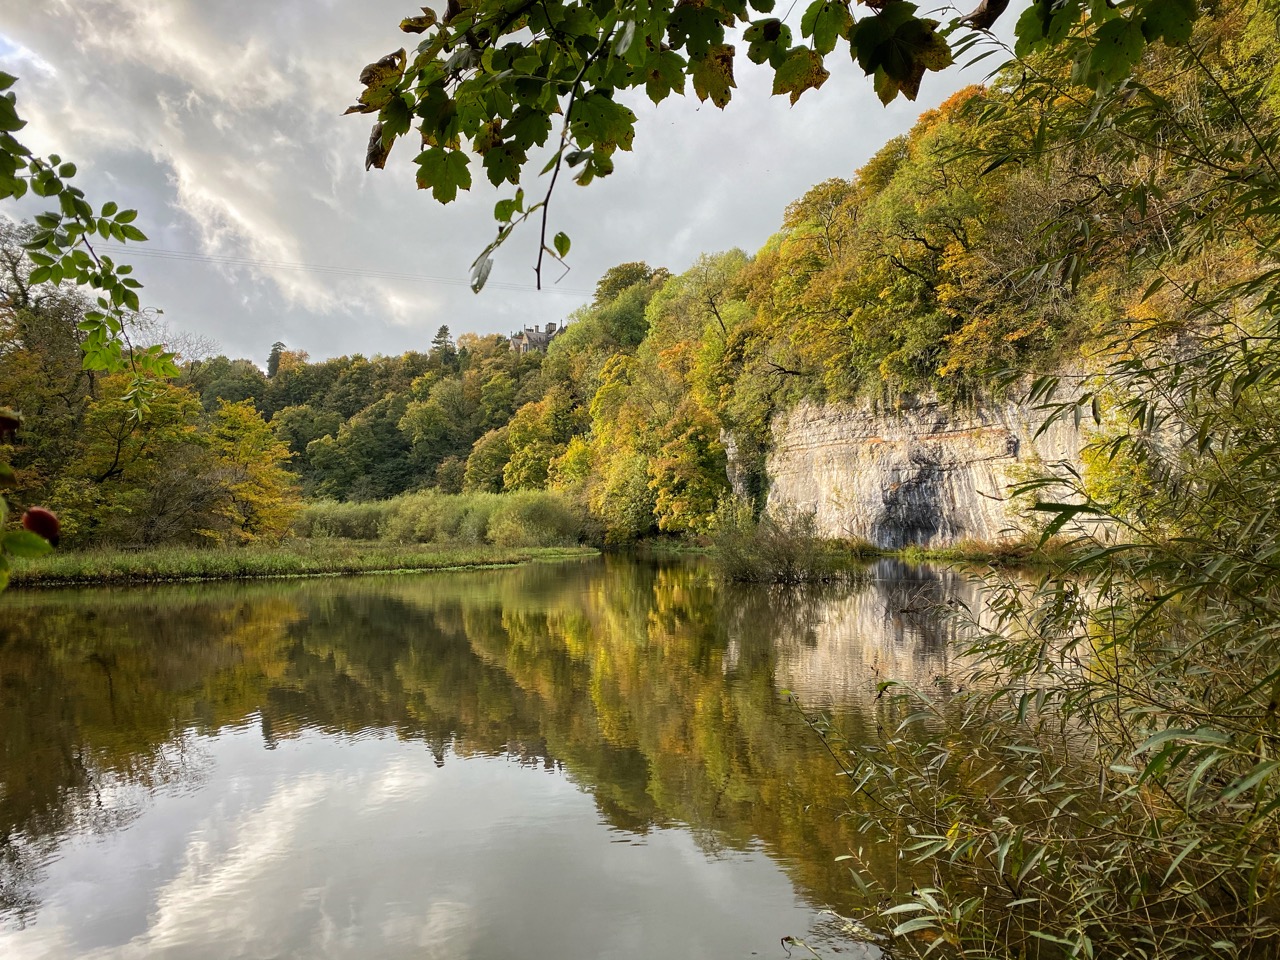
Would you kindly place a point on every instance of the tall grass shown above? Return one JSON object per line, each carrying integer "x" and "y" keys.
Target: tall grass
{"x": 295, "y": 558}
{"x": 524, "y": 518}
{"x": 348, "y": 521}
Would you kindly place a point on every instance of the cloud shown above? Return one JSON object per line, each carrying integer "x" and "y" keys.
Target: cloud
{"x": 221, "y": 123}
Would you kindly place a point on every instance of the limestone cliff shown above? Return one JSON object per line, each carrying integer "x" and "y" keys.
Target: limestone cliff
{"x": 929, "y": 474}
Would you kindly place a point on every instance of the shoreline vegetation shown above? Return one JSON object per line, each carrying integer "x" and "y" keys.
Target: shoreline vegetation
{"x": 292, "y": 559}
{"x": 808, "y": 561}
{"x": 429, "y": 530}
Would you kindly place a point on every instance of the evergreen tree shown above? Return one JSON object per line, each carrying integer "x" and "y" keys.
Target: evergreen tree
{"x": 273, "y": 361}
{"x": 443, "y": 351}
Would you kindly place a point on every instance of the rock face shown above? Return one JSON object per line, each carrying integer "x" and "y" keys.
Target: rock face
{"x": 929, "y": 475}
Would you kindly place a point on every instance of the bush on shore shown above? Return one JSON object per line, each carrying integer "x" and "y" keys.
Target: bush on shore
{"x": 331, "y": 520}
{"x": 525, "y": 518}
{"x": 777, "y": 548}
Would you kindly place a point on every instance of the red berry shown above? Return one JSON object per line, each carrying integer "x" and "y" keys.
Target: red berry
{"x": 43, "y": 523}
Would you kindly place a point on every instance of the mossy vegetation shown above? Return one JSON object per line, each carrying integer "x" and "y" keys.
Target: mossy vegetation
{"x": 294, "y": 558}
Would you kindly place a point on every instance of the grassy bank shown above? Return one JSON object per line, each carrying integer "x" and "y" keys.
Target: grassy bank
{"x": 299, "y": 558}
{"x": 1000, "y": 553}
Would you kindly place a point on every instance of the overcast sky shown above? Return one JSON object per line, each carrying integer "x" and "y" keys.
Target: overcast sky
{"x": 219, "y": 120}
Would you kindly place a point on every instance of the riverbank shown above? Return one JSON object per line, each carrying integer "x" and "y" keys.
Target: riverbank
{"x": 826, "y": 555}
{"x": 299, "y": 558}
{"x": 1030, "y": 553}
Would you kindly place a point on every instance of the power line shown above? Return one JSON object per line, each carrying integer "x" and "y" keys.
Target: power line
{"x": 154, "y": 253}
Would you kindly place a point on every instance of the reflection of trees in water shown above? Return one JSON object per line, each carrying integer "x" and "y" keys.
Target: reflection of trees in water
{"x": 92, "y": 801}
{"x": 99, "y": 704}
{"x": 653, "y": 687}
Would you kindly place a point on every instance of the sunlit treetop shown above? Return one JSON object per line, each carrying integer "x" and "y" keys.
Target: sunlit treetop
{"x": 494, "y": 80}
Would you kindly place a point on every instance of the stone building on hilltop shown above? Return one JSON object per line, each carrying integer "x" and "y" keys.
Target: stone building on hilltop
{"x": 533, "y": 338}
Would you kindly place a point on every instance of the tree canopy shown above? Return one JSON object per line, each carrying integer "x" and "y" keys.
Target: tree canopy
{"x": 494, "y": 80}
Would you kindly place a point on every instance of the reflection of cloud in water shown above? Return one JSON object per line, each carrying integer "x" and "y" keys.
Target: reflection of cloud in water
{"x": 444, "y": 931}
{"x": 214, "y": 892}
{"x": 97, "y": 803}
{"x": 284, "y": 855}
{"x": 260, "y": 879}
{"x": 403, "y": 780}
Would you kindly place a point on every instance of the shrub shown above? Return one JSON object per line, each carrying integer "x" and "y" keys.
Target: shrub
{"x": 351, "y": 521}
{"x": 535, "y": 518}
{"x": 774, "y": 548}
{"x": 520, "y": 518}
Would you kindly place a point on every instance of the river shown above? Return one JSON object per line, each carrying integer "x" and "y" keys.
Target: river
{"x": 594, "y": 759}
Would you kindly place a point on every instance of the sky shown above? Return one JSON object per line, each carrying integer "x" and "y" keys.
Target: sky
{"x": 220, "y": 122}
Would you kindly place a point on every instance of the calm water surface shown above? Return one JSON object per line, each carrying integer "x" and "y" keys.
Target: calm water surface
{"x": 584, "y": 760}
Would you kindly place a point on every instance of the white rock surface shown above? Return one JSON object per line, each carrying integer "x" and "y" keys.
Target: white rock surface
{"x": 929, "y": 475}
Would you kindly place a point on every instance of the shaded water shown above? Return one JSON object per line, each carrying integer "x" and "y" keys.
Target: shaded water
{"x": 591, "y": 759}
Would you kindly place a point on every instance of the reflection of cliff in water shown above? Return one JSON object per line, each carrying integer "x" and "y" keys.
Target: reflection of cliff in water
{"x": 898, "y": 626}
{"x": 654, "y": 688}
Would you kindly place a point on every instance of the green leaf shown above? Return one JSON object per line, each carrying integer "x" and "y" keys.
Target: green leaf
{"x": 503, "y": 162}
{"x": 903, "y": 908}
{"x": 1044, "y": 23}
{"x": 504, "y": 210}
{"x": 527, "y": 128}
{"x": 9, "y": 120}
{"x": 1170, "y": 20}
{"x": 133, "y": 233}
{"x": 480, "y": 272}
{"x": 1065, "y": 513}
{"x": 871, "y": 33}
{"x": 1199, "y": 735}
{"x": 912, "y": 926}
{"x": 444, "y": 172}
{"x": 1182, "y": 855}
{"x": 768, "y": 40}
{"x": 1247, "y": 783}
{"x": 825, "y": 21}
{"x": 801, "y": 70}
{"x": 598, "y": 120}
{"x": 24, "y": 543}
{"x": 897, "y": 48}
{"x": 664, "y": 74}
{"x": 713, "y": 75}
{"x": 395, "y": 119}
{"x": 1117, "y": 47}
{"x": 695, "y": 27}
{"x": 439, "y": 113}
{"x": 561, "y": 242}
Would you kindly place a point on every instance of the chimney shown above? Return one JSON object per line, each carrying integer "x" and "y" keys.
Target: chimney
{"x": 551, "y": 328}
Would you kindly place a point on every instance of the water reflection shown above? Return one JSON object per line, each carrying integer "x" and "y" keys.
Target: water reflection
{"x": 586, "y": 759}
